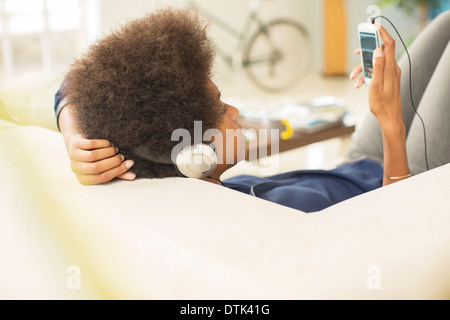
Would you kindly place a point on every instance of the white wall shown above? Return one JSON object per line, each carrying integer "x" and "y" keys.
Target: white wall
{"x": 308, "y": 12}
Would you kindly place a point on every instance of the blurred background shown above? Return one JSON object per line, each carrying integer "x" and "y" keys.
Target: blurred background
{"x": 45, "y": 35}
{"x": 42, "y": 37}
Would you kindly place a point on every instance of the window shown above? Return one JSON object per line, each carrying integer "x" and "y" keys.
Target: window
{"x": 41, "y": 36}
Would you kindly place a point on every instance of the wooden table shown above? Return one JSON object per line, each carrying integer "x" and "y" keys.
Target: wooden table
{"x": 297, "y": 140}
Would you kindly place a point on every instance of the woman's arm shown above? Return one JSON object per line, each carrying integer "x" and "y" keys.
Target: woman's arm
{"x": 385, "y": 103}
{"x": 93, "y": 161}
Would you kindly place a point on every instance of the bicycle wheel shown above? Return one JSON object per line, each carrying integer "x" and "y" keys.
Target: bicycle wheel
{"x": 277, "y": 55}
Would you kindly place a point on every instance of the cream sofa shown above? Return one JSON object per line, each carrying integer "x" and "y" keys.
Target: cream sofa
{"x": 187, "y": 239}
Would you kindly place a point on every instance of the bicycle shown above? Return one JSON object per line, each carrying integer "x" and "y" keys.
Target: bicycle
{"x": 275, "y": 56}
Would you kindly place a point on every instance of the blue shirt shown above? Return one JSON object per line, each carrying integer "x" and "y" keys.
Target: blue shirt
{"x": 312, "y": 190}
{"x": 60, "y": 103}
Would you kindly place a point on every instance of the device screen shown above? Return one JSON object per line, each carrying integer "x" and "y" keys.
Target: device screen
{"x": 368, "y": 45}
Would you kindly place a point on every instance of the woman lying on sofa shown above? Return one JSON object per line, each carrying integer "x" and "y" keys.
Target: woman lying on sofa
{"x": 122, "y": 101}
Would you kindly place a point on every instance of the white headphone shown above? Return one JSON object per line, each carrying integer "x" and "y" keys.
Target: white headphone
{"x": 196, "y": 161}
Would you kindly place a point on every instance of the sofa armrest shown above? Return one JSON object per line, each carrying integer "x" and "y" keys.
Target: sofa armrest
{"x": 188, "y": 239}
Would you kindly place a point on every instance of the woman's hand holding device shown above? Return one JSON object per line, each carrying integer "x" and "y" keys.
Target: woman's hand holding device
{"x": 384, "y": 90}
{"x": 382, "y": 75}
{"x": 385, "y": 103}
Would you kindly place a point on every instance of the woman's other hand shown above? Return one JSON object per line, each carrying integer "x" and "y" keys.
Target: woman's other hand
{"x": 93, "y": 161}
{"x": 97, "y": 161}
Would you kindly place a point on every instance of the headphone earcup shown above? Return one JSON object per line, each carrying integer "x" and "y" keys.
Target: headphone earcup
{"x": 197, "y": 161}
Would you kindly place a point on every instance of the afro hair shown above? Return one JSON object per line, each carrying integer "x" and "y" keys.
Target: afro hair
{"x": 137, "y": 85}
